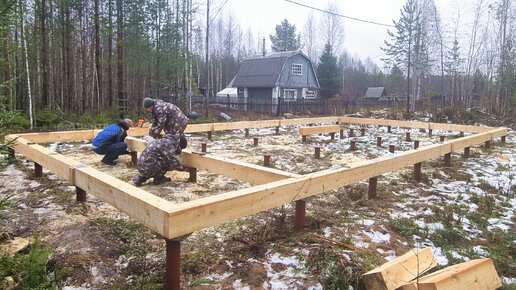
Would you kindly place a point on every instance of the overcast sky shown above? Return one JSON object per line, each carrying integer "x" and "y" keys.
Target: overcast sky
{"x": 360, "y": 39}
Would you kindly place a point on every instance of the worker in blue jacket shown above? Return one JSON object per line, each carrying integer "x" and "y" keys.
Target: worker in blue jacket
{"x": 110, "y": 141}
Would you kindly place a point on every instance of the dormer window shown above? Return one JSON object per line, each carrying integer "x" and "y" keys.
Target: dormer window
{"x": 297, "y": 69}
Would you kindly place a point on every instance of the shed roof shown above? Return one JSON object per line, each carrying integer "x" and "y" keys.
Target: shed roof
{"x": 262, "y": 71}
{"x": 374, "y": 92}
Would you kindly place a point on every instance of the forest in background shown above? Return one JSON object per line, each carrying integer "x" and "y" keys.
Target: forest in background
{"x": 67, "y": 58}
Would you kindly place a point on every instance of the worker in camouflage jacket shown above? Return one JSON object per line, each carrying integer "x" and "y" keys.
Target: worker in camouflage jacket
{"x": 166, "y": 116}
{"x": 159, "y": 157}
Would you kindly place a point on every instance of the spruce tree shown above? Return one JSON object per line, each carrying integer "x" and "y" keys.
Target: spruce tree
{"x": 328, "y": 73}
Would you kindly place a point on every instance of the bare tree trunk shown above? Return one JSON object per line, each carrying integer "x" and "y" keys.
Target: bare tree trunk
{"x": 44, "y": 55}
{"x": 207, "y": 56}
{"x": 5, "y": 35}
{"x": 24, "y": 48}
{"x": 110, "y": 55}
{"x": 98, "y": 71}
{"x": 120, "y": 52}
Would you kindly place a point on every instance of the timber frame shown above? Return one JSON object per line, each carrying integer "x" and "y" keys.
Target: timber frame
{"x": 272, "y": 187}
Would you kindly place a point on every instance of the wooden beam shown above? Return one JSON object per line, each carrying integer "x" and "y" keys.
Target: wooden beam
{"x": 48, "y": 137}
{"x": 253, "y": 174}
{"x": 399, "y": 271}
{"x": 479, "y": 274}
{"x": 145, "y": 207}
{"x": 57, "y": 163}
{"x": 209, "y": 211}
{"x": 318, "y": 129}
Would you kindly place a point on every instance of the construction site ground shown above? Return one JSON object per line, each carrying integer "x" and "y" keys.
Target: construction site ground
{"x": 461, "y": 212}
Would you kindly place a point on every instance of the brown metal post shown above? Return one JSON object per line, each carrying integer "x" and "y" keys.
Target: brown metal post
{"x": 503, "y": 141}
{"x": 352, "y": 146}
{"x": 441, "y": 138}
{"x": 304, "y": 138}
{"x": 255, "y": 141}
{"x": 389, "y": 129}
{"x": 416, "y": 144}
{"x": 332, "y": 135}
{"x": 209, "y": 135}
{"x": 80, "y": 194}
{"x": 247, "y": 133}
{"x": 391, "y": 148}
{"x": 461, "y": 134}
{"x": 362, "y": 131}
{"x": 371, "y": 193}
{"x": 277, "y": 130}
{"x": 379, "y": 141}
{"x": 351, "y": 133}
{"x": 447, "y": 159}
{"x": 193, "y": 174}
{"x": 134, "y": 157}
{"x": 12, "y": 154}
{"x": 407, "y": 136}
{"x": 417, "y": 171}
{"x": 318, "y": 152}
{"x": 267, "y": 160}
{"x": 300, "y": 214}
{"x": 342, "y": 134}
{"x": 466, "y": 152}
{"x": 38, "y": 170}
{"x": 429, "y": 132}
{"x": 487, "y": 144}
{"x": 173, "y": 265}
{"x": 203, "y": 147}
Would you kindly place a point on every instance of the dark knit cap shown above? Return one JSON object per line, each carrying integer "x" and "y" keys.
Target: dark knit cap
{"x": 182, "y": 142}
{"x": 148, "y": 102}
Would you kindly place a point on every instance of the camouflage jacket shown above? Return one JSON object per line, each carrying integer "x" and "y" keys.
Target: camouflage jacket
{"x": 167, "y": 117}
{"x": 160, "y": 156}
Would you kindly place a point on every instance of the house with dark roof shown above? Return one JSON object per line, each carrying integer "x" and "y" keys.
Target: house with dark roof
{"x": 289, "y": 76}
{"x": 375, "y": 93}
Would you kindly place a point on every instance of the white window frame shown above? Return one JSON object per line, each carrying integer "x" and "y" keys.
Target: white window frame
{"x": 294, "y": 95}
{"x": 310, "y": 94}
{"x": 297, "y": 69}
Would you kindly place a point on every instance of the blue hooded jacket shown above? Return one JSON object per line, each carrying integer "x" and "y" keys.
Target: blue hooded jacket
{"x": 113, "y": 133}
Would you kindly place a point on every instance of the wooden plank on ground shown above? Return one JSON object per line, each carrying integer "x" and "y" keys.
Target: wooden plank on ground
{"x": 147, "y": 208}
{"x": 479, "y": 274}
{"x": 399, "y": 271}
{"x": 319, "y": 129}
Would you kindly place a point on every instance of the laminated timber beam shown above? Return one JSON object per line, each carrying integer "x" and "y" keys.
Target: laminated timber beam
{"x": 253, "y": 174}
{"x": 399, "y": 271}
{"x": 64, "y": 136}
{"x": 318, "y": 130}
{"x": 201, "y": 213}
{"x": 479, "y": 274}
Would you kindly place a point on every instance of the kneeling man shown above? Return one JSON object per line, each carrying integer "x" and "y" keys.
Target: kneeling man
{"x": 159, "y": 157}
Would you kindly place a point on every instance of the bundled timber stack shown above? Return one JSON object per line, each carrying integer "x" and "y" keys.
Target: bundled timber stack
{"x": 408, "y": 273}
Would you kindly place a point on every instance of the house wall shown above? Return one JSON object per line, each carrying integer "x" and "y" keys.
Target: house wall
{"x": 260, "y": 94}
{"x": 306, "y": 80}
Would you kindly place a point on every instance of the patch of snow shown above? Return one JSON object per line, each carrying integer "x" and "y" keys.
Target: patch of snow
{"x": 238, "y": 285}
{"x": 366, "y": 222}
{"x": 377, "y": 237}
{"x": 459, "y": 256}
{"x": 509, "y": 280}
{"x": 479, "y": 250}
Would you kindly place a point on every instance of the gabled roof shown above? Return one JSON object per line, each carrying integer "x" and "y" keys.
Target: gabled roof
{"x": 262, "y": 71}
{"x": 374, "y": 93}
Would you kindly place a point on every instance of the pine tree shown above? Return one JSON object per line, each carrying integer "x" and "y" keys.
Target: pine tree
{"x": 401, "y": 48}
{"x": 285, "y": 38}
{"x": 328, "y": 73}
